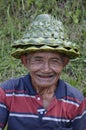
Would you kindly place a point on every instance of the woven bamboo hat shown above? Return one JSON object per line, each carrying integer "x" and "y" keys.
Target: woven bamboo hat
{"x": 45, "y": 33}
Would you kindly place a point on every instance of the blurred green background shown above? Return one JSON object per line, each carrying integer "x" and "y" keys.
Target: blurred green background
{"x": 15, "y": 16}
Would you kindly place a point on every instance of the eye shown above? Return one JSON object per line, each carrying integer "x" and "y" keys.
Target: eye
{"x": 55, "y": 61}
{"x": 38, "y": 60}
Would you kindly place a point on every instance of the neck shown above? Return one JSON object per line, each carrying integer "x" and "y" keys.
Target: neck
{"x": 46, "y": 91}
{"x": 47, "y": 94}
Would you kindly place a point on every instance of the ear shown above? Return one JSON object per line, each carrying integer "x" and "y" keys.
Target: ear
{"x": 24, "y": 60}
{"x": 65, "y": 61}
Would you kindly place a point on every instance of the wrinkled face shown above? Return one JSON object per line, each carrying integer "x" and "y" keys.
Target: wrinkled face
{"x": 45, "y": 68}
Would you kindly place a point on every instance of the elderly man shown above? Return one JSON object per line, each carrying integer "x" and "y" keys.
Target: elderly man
{"x": 41, "y": 100}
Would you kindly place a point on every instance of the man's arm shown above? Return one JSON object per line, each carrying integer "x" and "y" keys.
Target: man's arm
{"x": 79, "y": 123}
{"x": 3, "y": 110}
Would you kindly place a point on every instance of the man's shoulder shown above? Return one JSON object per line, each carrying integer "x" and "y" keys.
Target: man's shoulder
{"x": 70, "y": 91}
{"x": 13, "y": 82}
{"x": 73, "y": 90}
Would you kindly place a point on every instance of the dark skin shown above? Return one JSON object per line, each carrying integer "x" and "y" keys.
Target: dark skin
{"x": 45, "y": 69}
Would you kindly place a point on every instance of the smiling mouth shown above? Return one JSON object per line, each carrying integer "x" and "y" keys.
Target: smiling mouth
{"x": 46, "y": 76}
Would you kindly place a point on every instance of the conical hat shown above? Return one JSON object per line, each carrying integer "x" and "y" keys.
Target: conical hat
{"x": 45, "y": 33}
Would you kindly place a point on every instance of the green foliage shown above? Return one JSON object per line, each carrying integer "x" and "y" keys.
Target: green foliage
{"x": 15, "y": 16}
{"x": 84, "y": 91}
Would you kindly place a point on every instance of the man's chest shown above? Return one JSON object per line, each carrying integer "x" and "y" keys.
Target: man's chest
{"x": 29, "y": 111}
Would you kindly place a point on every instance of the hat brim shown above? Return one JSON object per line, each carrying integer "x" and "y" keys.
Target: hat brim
{"x": 71, "y": 53}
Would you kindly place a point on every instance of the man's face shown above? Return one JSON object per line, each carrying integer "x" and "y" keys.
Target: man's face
{"x": 45, "y": 68}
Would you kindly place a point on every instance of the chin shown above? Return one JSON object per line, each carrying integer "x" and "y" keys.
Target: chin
{"x": 43, "y": 85}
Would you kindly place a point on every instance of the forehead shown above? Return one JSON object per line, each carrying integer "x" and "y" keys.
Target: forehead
{"x": 45, "y": 54}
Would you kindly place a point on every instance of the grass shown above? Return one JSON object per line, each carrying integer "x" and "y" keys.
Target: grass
{"x": 15, "y": 16}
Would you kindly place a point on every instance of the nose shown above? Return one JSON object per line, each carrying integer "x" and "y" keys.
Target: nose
{"x": 46, "y": 66}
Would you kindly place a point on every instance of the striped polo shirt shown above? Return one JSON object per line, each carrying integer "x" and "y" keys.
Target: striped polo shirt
{"x": 21, "y": 107}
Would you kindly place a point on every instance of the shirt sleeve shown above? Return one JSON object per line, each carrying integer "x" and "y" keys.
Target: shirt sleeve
{"x": 79, "y": 123}
{"x": 3, "y": 109}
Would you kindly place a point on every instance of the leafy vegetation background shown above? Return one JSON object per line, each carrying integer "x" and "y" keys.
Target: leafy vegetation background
{"x": 16, "y": 15}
